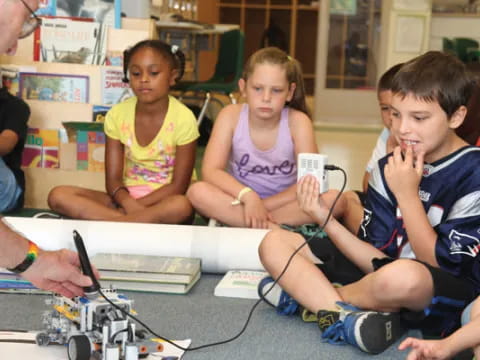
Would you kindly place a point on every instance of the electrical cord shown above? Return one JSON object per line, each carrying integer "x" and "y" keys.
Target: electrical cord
{"x": 329, "y": 215}
{"x": 112, "y": 338}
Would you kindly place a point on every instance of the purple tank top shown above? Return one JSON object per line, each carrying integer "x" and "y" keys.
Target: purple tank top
{"x": 266, "y": 172}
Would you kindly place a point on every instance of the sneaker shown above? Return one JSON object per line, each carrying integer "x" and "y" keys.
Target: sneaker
{"x": 276, "y": 297}
{"x": 372, "y": 332}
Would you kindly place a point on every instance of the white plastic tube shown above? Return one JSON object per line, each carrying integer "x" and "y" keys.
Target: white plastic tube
{"x": 220, "y": 248}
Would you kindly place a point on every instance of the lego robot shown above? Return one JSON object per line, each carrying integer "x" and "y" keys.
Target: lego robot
{"x": 94, "y": 328}
{"x": 91, "y": 326}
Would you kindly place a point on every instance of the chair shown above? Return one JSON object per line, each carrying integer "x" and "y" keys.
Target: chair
{"x": 228, "y": 71}
{"x": 464, "y": 46}
{"x": 448, "y": 46}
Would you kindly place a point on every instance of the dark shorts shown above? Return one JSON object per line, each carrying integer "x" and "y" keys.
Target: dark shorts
{"x": 440, "y": 318}
{"x": 362, "y": 196}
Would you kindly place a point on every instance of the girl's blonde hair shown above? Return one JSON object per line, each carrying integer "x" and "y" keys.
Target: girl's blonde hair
{"x": 293, "y": 70}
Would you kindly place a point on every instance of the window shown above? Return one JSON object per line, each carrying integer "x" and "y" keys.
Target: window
{"x": 353, "y": 44}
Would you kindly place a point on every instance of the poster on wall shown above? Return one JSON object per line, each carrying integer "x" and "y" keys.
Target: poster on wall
{"x": 343, "y": 7}
{"x": 409, "y": 34}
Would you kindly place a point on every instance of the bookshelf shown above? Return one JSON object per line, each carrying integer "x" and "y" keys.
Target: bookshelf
{"x": 51, "y": 114}
{"x": 296, "y": 20}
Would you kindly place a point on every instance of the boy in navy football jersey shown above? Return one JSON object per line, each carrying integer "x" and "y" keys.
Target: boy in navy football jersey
{"x": 414, "y": 260}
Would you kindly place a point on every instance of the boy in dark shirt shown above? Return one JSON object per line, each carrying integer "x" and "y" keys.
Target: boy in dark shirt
{"x": 14, "y": 114}
{"x": 415, "y": 258}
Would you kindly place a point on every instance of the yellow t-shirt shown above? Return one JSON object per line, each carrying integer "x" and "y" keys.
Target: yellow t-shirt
{"x": 152, "y": 164}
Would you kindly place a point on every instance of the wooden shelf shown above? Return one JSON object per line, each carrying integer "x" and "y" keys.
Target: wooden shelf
{"x": 294, "y": 19}
{"x": 455, "y": 14}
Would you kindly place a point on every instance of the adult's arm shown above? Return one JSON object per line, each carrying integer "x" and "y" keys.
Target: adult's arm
{"x": 57, "y": 271}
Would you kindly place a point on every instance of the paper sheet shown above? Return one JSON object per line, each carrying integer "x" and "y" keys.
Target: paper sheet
{"x": 220, "y": 248}
{"x": 409, "y": 34}
{"x": 12, "y": 348}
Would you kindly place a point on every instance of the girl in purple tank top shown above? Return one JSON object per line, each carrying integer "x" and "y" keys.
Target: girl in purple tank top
{"x": 249, "y": 169}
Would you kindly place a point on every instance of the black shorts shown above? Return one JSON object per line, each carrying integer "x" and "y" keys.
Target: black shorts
{"x": 440, "y": 318}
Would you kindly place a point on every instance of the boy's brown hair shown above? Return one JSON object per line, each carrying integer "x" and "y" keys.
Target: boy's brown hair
{"x": 385, "y": 82}
{"x": 435, "y": 76}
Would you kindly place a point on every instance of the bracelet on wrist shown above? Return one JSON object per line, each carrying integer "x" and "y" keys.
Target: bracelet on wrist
{"x": 30, "y": 258}
{"x": 242, "y": 192}
{"x": 117, "y": 189}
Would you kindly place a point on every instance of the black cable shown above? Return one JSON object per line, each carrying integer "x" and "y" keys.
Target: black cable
{"x": 112, "y": 338}
{"x": 327, "y": 167}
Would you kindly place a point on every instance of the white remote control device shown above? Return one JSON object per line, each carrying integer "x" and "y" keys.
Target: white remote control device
{"x": 313, "y": 164}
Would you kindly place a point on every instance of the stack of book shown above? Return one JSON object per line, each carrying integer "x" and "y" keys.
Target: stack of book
{"x": 146, "y": 273}
{"x": 13, "y": 283}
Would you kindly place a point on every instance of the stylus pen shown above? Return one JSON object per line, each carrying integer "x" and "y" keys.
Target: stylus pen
{"x": 91, "y": 291}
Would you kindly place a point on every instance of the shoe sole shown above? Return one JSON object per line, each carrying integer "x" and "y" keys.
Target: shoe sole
{"x": 375, "y": 332}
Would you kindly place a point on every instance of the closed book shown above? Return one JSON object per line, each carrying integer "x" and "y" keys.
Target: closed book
{"x": 240, "y": 284}
{"x": 155, "y": 287}
{"x": 146, "y": 268}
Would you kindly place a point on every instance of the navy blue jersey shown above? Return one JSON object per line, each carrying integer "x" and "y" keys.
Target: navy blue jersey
{"x": 450, "y": 194}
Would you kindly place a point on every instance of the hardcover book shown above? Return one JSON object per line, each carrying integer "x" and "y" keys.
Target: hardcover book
{"x": 46, "y": 7}
{"x": 41, "y": 148}
{"x": 114, "y": 90}
{"x": 146, "y": 268}
{"x": 70, "y": 41}
{"x": 54, "y": 87}
{"x": 148, "y": 286}
{"x": 91, "y": 150}
{"x": 108, "y": 12}
{"x": 240, "y": 284}
{"x": 99, "y": 113}
{"x": 10, "y": 77}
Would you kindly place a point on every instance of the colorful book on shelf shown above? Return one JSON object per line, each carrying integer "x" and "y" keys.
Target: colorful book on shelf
{"x": 70, "y": 41}
{"x": 89, "y": 141}
{"x": 91, "y": 151}
{"x": 108, "y": 12}
{"x": 147, "y": 268}
{"x": 114, "y": 90}
{"x": 114, "y": 58}
{"x": 10, "y": 77}
{"x": 41, "y": 148}
{"x": 54, "y": 87}
{"x": 99, "y": 112}
{"x": 240, "y": 284}
{"x": 46, "y": 7}
{"x": 13, "y": 283}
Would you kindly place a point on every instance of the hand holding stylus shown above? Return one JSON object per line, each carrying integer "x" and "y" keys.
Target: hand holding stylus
{"x": 58, "y": 271}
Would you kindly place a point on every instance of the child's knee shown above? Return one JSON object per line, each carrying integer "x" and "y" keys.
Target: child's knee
{"x": 183, "y": 207}
{"x": 196, "y": 191}
{"x": 56, "y": 195}
{"x": 269, "y": 245}
{"x": 403, "y": 280}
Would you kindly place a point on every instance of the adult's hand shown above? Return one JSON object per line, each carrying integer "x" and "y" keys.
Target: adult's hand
{"x": 58, "y": 271}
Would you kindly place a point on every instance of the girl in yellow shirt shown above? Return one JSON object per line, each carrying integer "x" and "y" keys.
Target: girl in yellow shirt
{"x": 150, "y": 147}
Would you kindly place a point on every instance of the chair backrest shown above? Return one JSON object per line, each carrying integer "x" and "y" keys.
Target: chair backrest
{"x": 463, "y": 46}
{"x": 448, "y": 46}
{"x": 229, "y": 65}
